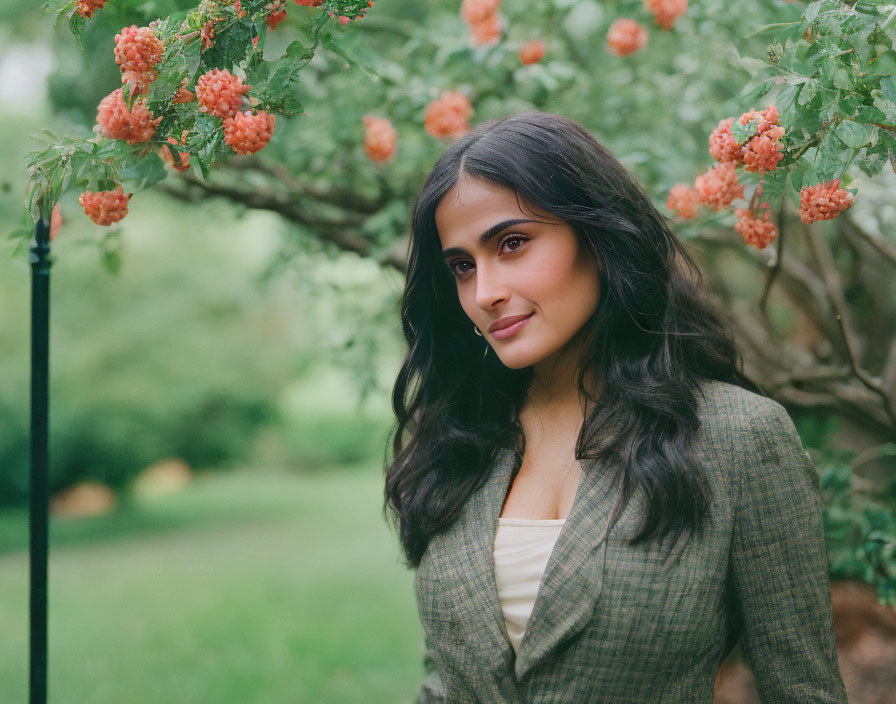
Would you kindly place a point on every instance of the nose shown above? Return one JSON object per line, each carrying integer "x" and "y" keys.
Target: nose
{"x": 490, "y": 287}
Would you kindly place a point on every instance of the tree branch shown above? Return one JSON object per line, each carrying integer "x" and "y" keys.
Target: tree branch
{"x": 853, "y": 343}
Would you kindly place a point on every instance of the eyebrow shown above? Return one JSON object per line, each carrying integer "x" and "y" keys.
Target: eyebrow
{"x": 487, "y": 236}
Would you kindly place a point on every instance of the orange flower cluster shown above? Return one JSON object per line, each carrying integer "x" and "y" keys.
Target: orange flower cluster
{"x": 666, "y": 11}
{"x": 533, "y": 51}
{"x": 757, "y": 231}
{"x": 105, "y": 207}
{"x": 482, "y": 16}
{"x": 824, "y": 201}
{"x": 448, "y": 116}
{"x": 683, "y": 200}
{"x": 246, "y": 133}
{"x": 137, "y": 51}
{"x": 380, "y": 138}
{"x": 220, "y": 93}
{"x": 761, "y": 153}
{"x": 476, "y": 11}
{"x": 117, "y": 122}
{"x": 719, "y": 186}
{"x": 86, "y": 8}
{"x": 625, "y": 36}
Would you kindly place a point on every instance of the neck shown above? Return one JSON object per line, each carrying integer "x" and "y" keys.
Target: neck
{"x": 554, "y": 382}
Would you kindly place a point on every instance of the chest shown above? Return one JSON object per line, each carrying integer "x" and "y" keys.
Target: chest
{"x": 611, "y": 607}
{"x": 542, "y": 489}
{"x": 545, "y": 484}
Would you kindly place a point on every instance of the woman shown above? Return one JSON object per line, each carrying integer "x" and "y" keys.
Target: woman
{"x": 598, "y": 504}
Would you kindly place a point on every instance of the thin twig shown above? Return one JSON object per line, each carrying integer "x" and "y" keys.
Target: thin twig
{"x": 835, "y": 296}
{"x": 776, "y": 266}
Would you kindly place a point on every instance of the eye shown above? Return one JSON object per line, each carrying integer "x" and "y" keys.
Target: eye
{"x": 459, "y": 273}
{"x": 514, "y": 238}
{"x": 453, "y": 266}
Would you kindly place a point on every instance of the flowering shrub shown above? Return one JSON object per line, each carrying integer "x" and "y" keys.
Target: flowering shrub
{"x": 194, "y": 75}
{"x": 115, "y": 121}
{"x": 625, "y": 37}
{"x": 220, "y": 93}
{"x": 666, "y": 11}
{"x": 105, "y": 207}
{"x": 137, "y": 51}
{"x": 824, "y": 201}
{"x": 533, "y": 51}
{"x": 380, "y": 138}
{"x": 448, "y": 116}
{"x": 247, "y": 133}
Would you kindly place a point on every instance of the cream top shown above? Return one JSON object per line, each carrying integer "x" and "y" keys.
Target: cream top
{"x": 522, "y": 549}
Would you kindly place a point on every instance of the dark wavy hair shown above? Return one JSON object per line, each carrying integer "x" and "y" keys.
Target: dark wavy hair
{"x": 656, "y": 336}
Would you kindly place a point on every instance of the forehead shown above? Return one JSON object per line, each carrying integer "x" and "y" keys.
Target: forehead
{"x": 473, "y": 205}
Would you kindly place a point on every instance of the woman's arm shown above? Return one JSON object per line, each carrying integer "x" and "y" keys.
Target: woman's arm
{"x": 432, "y": 690}
{"x": 778, "y": 566}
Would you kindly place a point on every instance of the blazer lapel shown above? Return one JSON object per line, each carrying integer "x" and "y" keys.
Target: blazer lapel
{"x": 573, "y": 576}
{"x": 572, "y": 579}
{"x": 468, "y": 549}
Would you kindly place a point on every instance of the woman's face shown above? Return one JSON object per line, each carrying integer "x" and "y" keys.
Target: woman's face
{"x": 506, "y": 270}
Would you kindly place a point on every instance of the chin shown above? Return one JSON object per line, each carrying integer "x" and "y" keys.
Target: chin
{"x": 518, "y": 359}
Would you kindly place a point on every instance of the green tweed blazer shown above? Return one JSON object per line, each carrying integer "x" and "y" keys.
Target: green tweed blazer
{"x": 614, "y": 623}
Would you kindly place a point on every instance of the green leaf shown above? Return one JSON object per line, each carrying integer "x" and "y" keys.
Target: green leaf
{"x": 330, "y": 43}
{"x": 888, "y": 88}
{"x": 842, "y": 79}
{"x": 780, "y": 31}
{"x": 812, "y": 10}
{"x": 872, "y": 164}
{"x": 808, "y": 92}
{"x": 752, "y": 93}
{"x": 887, "y": 107}
{"x": 146, "y": 171}
{"x": 785, "y": 96}
{"x": 76, "y": 25}
{"x": 19, "y": 234}
{"x": 296, "y": 50}
{"x": 744, "y": 132}
{"x": 773, "y": 185}
{"x": 877, "y": 37}
{"x": 853, "y": 134}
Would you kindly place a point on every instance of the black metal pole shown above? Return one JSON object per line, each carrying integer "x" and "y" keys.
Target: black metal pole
{"x": 39, "y": 485}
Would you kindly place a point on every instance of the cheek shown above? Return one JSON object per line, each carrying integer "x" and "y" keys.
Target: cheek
{"x": 561, "y": 282}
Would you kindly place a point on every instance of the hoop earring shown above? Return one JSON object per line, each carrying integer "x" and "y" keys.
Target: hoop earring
{"x": 485, "y": 352}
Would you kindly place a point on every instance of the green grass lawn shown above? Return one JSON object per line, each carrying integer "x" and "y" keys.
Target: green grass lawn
{"x": 250, "y": 586}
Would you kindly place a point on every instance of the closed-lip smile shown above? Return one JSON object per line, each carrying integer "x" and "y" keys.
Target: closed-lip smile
{"x": 506, "y": 322}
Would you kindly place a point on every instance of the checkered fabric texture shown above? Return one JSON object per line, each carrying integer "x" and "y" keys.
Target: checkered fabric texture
{"x": 621, "y": 624}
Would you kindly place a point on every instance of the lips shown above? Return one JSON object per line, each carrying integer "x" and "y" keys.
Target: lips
{"x": 507, "y": 322}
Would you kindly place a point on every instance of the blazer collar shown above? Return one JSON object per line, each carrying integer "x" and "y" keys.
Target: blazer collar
{"x": 573, "y": 575}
